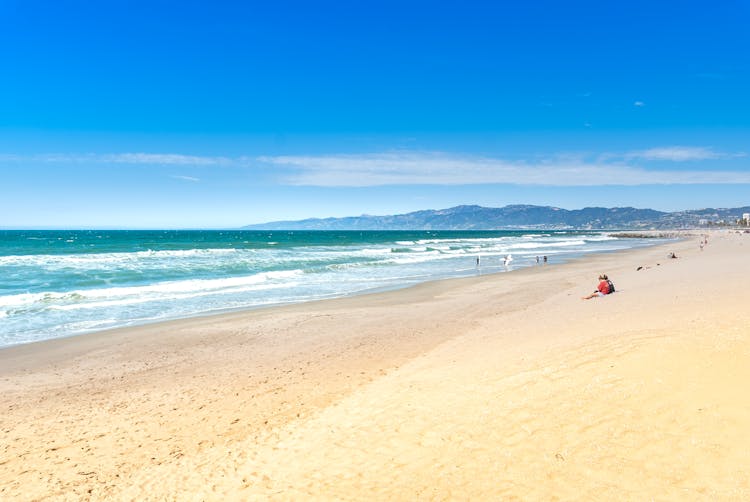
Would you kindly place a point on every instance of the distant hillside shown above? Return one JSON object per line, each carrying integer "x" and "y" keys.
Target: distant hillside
{"x": 515, "y": 216}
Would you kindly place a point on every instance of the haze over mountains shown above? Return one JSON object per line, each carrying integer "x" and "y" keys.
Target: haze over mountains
{"x": 516, "y": 216}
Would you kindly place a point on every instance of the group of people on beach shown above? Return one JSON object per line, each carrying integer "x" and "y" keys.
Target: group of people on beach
{"x": 704, "y": 241}
{"x": 605, "y": 286}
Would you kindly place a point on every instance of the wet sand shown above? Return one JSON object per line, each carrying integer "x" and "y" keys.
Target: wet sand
{"x": 506, "y": 386}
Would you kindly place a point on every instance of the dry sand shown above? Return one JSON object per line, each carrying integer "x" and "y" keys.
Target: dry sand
{"x": 502, "y": 387}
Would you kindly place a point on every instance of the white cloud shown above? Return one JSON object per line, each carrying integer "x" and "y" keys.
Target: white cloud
{"x": 410, "y": 168}
{"x": 438, "y": 168}
{"x": 161, "y": 158}
{"x": 122, "y": 158}
{"x": 676, "y": 153}
{"x": 639, "y": 104}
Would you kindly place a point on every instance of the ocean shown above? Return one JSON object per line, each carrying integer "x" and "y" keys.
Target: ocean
{"x": 68, "y": 282}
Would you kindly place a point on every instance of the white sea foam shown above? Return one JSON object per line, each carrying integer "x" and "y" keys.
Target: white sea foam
{"x": 418, "y": 258}
{"x": 83, "y": 326}
{"x": 92, "y": 259}
{"x": 139, "y": 294}
{"x": 601, "y": 238}
{"x": 161, "y": 297}
{"x": 371, "y": 252}
{"x": 539, "y": 245}
{"x": 482, "y": 240}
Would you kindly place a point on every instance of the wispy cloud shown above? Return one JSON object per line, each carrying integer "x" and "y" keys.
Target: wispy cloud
{"x": 676, "y": 153}
{"x": 639, "y": 104}
{"x": 439, "y": 168}
{"x": 163, "y": 158}
{"x": 411, "y": 168}
{"x": 123, "y": 158}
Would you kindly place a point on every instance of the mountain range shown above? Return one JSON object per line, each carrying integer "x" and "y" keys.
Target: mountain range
{"x": 518, "y": 217}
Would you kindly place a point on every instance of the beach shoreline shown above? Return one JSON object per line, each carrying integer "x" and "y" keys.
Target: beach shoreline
{"x": 86, "y": 287}
{"x": 238, "y": 404}
{"x": 55, "y": 347}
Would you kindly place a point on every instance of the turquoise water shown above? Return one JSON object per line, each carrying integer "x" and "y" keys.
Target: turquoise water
{"x": 62, "y": 283}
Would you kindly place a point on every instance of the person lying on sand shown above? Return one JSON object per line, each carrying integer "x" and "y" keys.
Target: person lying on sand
{"x": 605, "y": 287}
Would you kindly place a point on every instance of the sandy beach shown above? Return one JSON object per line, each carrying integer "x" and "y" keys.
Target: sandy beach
{"x": 496, "y": 387}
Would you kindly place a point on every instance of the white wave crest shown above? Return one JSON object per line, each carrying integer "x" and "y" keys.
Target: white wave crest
{"x": 140, "y": 294}
{"x": 92, "y": 259}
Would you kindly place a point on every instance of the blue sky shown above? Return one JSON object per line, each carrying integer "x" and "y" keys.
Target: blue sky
{"x": 197, "y": 114}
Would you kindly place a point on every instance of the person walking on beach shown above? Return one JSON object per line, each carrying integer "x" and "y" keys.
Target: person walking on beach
{"x": 605, "y": 287}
